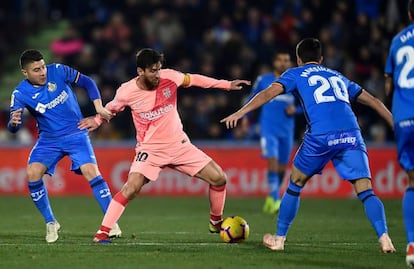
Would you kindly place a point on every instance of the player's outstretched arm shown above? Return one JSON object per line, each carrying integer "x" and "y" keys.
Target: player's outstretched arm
{"x": 257, "y": 101}
{"x": 367, "y": 99}
{"x": 209, "y": 82}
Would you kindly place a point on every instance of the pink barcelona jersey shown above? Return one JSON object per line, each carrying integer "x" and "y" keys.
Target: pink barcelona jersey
{"x": 154, "y": 113}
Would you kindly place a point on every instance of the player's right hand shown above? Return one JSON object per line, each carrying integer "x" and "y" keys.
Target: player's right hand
{"x": 16, "y": 117}
{"x": 88, "y": 123}
{"x": 231, "y": 121}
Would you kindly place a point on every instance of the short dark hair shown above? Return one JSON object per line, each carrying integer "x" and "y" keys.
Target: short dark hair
{"x": 280, "y": 52}
{"x": 411, "y": 8}
{"x": 309, "y": 50}
{"x": 30, "y": 56}
{"x": 148, "y": 57}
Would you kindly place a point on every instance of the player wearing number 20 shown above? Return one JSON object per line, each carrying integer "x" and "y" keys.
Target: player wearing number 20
{"x": 333, "y": 135}
{"x": 399, "y": 72}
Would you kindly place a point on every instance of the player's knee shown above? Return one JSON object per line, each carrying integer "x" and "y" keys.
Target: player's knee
{"x": 89, "y": 171}
{"x": 220, "y": 179}
{"x": 34, "y": 173}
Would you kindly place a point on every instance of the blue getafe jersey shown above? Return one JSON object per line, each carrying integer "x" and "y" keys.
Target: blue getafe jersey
{"x": 325, "y": 96}
{"x": 400, "y": 65}
{"x": 273, "y": 118}
{"x": 54, "y": 105}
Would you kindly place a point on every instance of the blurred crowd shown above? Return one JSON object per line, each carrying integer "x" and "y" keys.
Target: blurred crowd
{"x": 225, "y": 39}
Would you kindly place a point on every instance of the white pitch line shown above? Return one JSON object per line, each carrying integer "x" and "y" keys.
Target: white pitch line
{"x": 62, "y": 242}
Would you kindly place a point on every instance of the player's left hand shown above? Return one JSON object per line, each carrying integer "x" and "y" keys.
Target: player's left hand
{"x": 237, "y": 84}
{"x": 231, "y": 121}
{"x": 88, "y": 123}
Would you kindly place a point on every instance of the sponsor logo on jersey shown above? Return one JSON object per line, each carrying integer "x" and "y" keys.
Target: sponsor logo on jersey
{"x": 155, "y": 114}
{"x": 51, "y": 86}
{"x": 406, "y": 123}
{"x": 60, "y": 99}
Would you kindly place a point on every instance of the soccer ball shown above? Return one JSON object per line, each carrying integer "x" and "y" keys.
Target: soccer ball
{"x": 234, "y": 229}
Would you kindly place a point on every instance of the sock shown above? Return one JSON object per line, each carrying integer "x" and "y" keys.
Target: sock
{"x": 374, "y": 209}
{"x": 38, "y": 192}
{"x": 408, "y": 213}
{"x": 289, "y": 207}
{"x": 273, "y": 181}
{"x": 113, "y": 213}
{"x": 101, "y": 192}
{"x": 217, "y": 197}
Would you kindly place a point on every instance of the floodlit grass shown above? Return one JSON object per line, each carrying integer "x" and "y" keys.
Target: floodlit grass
{"x": 172, "y": 232}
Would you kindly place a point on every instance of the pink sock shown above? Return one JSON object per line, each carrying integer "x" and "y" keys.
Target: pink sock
{"x": 113, "y": 213}
{"x": 217, "y": 196}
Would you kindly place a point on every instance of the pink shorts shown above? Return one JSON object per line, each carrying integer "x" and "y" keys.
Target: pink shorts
{"x": 183, "y": 157}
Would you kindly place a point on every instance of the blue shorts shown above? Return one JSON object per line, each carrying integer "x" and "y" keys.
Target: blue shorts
{"x": 404, "y": 136}
{"x": 345, "y": 149}
{"x": 49, "y": 151}
{"x": 277, "y": 147}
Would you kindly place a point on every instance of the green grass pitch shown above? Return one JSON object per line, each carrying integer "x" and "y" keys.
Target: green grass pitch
{"x": 172, "y": 232}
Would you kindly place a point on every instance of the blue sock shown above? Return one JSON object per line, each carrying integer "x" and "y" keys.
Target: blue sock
{"x": 374, "y": 209}
{"x": 38, "y": 192}
{"x": 101, "y": 192}
{"x": 408, "y": 213}
{"x": 288, "y": 208}
{"x": 273, "y": 182}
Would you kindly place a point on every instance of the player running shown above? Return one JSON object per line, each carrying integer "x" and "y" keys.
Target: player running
{"x": 47, "y": 94}
{"x": 399, "y": 82}
{"x": 277, "y": 126}
{"x": 333, "y": 135}
{"x": 161, "y": 141}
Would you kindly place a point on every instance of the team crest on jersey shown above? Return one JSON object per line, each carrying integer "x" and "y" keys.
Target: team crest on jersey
{"x": 51, "y": 86}
{"x": 166, "y": 92}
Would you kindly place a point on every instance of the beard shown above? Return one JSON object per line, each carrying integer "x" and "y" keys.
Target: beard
{"x": 151, "y": 84}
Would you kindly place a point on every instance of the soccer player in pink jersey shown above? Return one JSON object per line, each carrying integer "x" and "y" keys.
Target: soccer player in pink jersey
{"x": 161, "y": 141}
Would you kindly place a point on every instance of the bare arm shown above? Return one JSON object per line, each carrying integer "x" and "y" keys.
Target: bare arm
{"x": 367, "y": 99}
{"x": 102, "y": 111}
{"x": 261, "y": 98}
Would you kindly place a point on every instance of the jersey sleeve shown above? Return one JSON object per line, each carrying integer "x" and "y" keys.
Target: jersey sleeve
{"x": 15, "y": 102}
{"x": 173, "y": 75}
{"x": 288, "y": 81}
{"x": 117, "y": 104}
{"x": 69, "y": 74}
{"x": 354, "y": 90}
